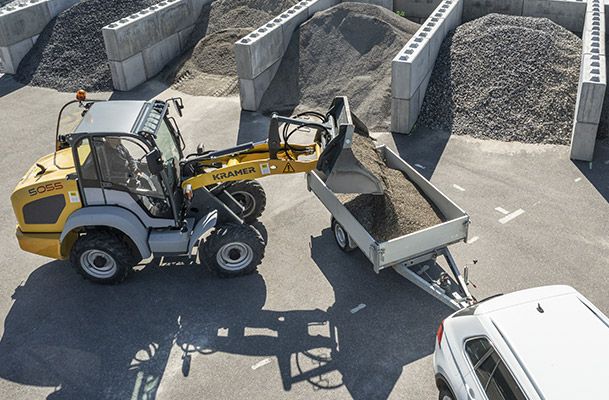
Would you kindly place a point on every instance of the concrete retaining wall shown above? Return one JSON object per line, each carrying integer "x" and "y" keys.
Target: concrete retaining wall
{"x": 592, "y": 84}
{"x": 411, "y": 68}
{"x": 20, "y": 26}
{"x": 259, "y": 54}
{"x": 141, "y": 45}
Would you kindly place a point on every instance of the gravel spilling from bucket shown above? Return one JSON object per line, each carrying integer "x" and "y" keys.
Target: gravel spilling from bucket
{"x": 209, "y": 69}
{"x": 506, "y": 78}
{"x": 403, "y": 209}
{"x": 345, "y": 50}
{"x": 70, "y": 52}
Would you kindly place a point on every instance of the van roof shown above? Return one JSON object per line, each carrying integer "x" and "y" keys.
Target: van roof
{"x": 559, "y": 338}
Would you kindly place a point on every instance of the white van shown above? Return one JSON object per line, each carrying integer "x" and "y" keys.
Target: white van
{"x": 544, "y": 343}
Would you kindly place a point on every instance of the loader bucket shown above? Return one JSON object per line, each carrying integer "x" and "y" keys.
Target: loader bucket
{"x": 343, "y": 172}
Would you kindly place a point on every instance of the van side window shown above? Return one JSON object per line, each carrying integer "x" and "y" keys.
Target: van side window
{"x": 494, "y": 377}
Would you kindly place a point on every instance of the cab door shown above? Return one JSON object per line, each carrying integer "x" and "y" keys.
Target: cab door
{"x": 115, "y": 172}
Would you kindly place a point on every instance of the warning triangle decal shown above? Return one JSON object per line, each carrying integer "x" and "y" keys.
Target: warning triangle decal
{"x": 288, "y": 168}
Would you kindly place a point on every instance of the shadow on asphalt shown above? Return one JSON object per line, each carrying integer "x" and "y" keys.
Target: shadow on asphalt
{"x": 396, "y": 328}
{"x": 423, "y": 147}
{"x": 8, "y": 85}
{"x": 94, "y": 341}
{"x": 597, "y": 172}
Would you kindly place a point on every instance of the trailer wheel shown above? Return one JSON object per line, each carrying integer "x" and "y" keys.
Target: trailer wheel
{"x": 102, "y": 257}
{"x": 343, "y": 240}
{"x": 233, "y": 250}
{"x": 445, "y": 394}
{"x": 251, "y": 195}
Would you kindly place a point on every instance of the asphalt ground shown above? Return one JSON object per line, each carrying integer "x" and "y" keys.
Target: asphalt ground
{"x": 173, "y": 330}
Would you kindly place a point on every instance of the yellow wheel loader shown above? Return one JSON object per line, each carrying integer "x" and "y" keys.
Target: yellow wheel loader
{"x": 119, "y": 189}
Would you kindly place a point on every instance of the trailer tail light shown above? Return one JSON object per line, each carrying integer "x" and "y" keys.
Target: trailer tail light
{"x": 440, "y": 333}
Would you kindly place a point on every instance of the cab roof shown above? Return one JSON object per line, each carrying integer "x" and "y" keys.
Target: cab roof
{"x": 112, "y": 117}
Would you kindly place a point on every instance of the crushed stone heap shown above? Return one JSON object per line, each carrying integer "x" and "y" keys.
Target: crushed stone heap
{"x": 507, "y": 78}
{"x": 345, "y": 50}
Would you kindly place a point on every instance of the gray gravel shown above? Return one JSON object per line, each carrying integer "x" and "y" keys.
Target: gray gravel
{"x": 506, "y": 78}
{"x": 209, "y": 68}
{"x": 603, "y": 128}
{"x": 70, "y": 52}
{"x": 6, "y": 3}
{"x": 345, "y": 50}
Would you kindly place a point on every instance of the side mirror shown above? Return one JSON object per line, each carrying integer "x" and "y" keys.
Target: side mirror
{"x": 200, "y": 149}
{"x": 466, "y": 275}
{"x": 154, "y": 161}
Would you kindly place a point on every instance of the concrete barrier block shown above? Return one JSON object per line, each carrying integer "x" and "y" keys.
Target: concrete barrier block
{"x": 382, "y": 3}
{"x": 131, "y": 35}
{"x": 252, "y": 90}
{"x": 173, "y": 16}
{"x": 569, "y": 14}
{"x": 197, "y": 7}
{"x": 290, "y": 20}
{"x": 593, "y": 36}
{"x": 403, "y": 115}
{"x": 416, "y": 8}
{"x": 320, "y": 5}
{"x": 259, "y": 50}
{"x": 158, "y": 55}
{"x": 473, "y": 9}
{"x": 56, "y": 7}
{"x": 18, "y": 23}
{"x": 129, "y": 73}
{"x": 591, "y": 90}
{"x": 451, "y": 12}
{"x": 583, "y": 140}
{"x": 12, "y": 55}
{"x": 409, "y": 68}
{"x": 184, "y": 36}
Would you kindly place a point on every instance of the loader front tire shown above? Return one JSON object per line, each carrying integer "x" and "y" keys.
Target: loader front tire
{"x": 102, "y": 257}
{"x": 251, "y": 195}
{"x": 233, "y": 250}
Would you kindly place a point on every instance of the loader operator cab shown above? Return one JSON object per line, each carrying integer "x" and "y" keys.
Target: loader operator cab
{"x": 128, "y": 153}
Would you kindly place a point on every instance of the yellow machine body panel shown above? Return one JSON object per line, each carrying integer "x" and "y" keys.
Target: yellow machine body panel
{"x": 42, "y": 202}
{"x": 256, "y": 163}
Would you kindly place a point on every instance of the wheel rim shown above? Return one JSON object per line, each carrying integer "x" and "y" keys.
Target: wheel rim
{"x": 247, "y": 200}
{"x": 235, "y": 256}
{"x": 98, "y": 263}
{"x": 446, "y": 397}
{"x": 341, "y": 236}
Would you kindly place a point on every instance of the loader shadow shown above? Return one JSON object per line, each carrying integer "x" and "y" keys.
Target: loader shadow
{"x": 396, "y": 328}
{"x": 597, "y": 172}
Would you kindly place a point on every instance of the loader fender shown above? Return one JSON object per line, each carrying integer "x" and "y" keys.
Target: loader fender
{"x": 112, "y": 217}
{"x": 202, "y": 227}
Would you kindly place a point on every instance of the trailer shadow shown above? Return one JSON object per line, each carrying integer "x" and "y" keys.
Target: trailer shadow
{"x": 396, "y": 327}
{"x": 597, "y": 172}
{"x": 423, "y": 148}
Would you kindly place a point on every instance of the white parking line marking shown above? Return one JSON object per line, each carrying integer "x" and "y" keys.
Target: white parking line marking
{"x": 511, "y": 216}
{"x": 590, "y": 165}
{"x": 502, "y": 210}
{"x": 473, "y": 240}
{"x": 578, "y": 179}
{"x": 358, "y": 308}
{"x": 458, "y": 188}
{"x": 261, "y": 363}
{"x": 420, "y": 166}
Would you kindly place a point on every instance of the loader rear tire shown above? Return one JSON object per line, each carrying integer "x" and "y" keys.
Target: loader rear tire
{"x": 233, "y": 250}
{"x": 343, "y": 240}
{"x": 251, "y": 195}
{"x": 102, "y": 257}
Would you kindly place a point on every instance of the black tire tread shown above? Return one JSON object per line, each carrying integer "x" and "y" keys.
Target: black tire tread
{"x": 108, "y": 241}
{"x": 232, "y": 232}
{"x": 348, "y": 248}
{"x": 256, "y": 190}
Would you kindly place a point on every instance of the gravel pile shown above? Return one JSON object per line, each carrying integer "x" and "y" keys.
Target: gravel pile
{"x": 403, "y": 209}
{"x": 506, "y": 78}
{"x": 209, "y": 69}
{"x": 70, "y": 52}
{"x": 345, "y": 50}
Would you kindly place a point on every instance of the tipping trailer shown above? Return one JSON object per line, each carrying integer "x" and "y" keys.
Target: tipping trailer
{"x": 414, "y": 255}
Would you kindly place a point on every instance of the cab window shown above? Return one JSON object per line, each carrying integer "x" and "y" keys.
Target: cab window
{"x": 123, "y": 166}
{"x": 166, "y": 143}
{"x": 491, "y": 371}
